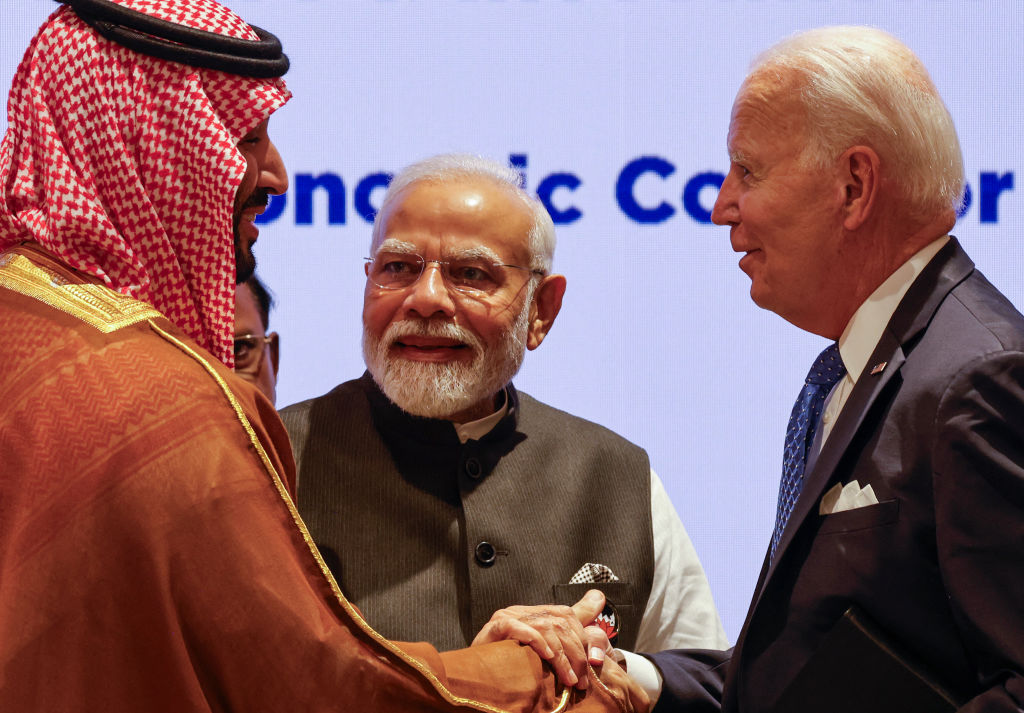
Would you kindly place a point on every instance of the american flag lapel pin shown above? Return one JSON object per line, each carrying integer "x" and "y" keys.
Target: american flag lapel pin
{"x": 878, "y": 368}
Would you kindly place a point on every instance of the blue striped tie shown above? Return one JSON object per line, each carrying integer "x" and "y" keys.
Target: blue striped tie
{"x": 803, "y": 422}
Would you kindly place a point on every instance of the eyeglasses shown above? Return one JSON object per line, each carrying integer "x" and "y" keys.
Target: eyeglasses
{"x": 470, "y": 275}
{"x": 249, "y": 349}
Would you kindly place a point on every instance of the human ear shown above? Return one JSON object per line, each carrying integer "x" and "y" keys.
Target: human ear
{"x": 275, "y": 342}
{"x": 861, "y": 182}
{"x": 547, "y": 302}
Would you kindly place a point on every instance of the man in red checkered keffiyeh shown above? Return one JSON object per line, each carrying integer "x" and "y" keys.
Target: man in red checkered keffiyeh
{"x": 125, "y": 167}
{"x": 151, "y": 556}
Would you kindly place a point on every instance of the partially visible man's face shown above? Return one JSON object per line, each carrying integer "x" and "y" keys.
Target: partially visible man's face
{"x": 784, "y": 217}
{"x": 435, "y": 351}
{"x": 257, "y": 362}
{"x": 264, "y": 175}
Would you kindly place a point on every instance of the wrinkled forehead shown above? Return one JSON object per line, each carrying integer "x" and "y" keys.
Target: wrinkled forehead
{"x": 457, "y": 216}
{"x": 767, "y": 104}
{"x": 447, "y": 251}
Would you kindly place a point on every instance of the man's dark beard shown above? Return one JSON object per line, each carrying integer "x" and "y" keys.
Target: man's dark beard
{"x": 245, "y": 261}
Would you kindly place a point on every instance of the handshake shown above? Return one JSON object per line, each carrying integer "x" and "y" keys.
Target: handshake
{"x": 572, "y": 641}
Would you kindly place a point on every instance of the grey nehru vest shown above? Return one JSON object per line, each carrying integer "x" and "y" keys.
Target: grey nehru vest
{"x": 429, "y": 537}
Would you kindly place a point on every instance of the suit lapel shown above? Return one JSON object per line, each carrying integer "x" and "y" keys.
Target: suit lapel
{"x": 948, "y": 268}
{"x": 820, "y": 468}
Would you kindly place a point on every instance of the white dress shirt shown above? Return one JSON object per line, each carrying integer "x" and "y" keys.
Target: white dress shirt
{"x": 865, "y": 328}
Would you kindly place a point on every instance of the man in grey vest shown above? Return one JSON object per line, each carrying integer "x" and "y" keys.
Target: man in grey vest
{"x": 439, "y": 494}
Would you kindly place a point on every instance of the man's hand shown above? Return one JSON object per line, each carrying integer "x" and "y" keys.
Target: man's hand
{"x": 629, "y": 694}
{"x": 557, "y": 634}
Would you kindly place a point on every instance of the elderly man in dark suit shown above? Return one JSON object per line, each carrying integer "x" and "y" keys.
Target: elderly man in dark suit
{"x": 902, "y": 493}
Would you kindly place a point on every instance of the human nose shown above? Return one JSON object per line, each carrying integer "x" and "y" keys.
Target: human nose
{"x": 273, "y": 175}
{"x": 726, "y": 209}
{"x": 429, "y": 296}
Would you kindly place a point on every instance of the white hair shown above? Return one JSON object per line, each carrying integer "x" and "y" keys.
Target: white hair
{"x": 447, "y": 168}
{"x": 860, "y": 85}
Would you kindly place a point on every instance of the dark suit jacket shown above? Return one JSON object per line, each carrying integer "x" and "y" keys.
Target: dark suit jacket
{"x": 938, "y": 563}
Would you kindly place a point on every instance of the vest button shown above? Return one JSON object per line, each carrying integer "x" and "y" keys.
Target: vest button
{"x": 473, "y": 468}
{"x": 485, "y": 554}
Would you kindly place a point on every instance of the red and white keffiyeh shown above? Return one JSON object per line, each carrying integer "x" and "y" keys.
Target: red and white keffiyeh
{"x": 125, "y": 166}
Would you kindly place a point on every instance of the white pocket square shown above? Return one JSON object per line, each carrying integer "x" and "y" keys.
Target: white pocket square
{"x": 846, "y": 497}
{"x": 591, "y": 573}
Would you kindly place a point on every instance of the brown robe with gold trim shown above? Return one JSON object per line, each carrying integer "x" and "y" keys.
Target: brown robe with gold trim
{"x": 151, "y": 558}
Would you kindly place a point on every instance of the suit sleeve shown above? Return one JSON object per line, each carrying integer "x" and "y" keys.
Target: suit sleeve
{"x": 692, "y": 679}
{"x": 979, "y": 511}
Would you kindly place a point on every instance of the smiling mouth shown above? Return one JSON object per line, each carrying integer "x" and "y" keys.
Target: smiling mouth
{"x": 426, "y": 346}
{"x": 745, "y": 250}
{"x": 245, "y": 218}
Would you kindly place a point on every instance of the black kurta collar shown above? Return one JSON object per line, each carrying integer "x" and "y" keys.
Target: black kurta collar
{"x": 428, "y": 452}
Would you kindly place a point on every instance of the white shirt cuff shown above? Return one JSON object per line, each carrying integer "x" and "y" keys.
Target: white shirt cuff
{"x": 645, "y": 673}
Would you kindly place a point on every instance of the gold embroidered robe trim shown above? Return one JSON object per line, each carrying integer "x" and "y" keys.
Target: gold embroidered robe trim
{"x": 96, "y": 305}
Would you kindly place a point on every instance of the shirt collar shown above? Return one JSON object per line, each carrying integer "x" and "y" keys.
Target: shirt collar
{"x": 865, "y": 328}
{"x": 475, "y": 430}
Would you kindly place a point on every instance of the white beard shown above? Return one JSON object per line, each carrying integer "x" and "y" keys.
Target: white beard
{"x": 439, "y": 390}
